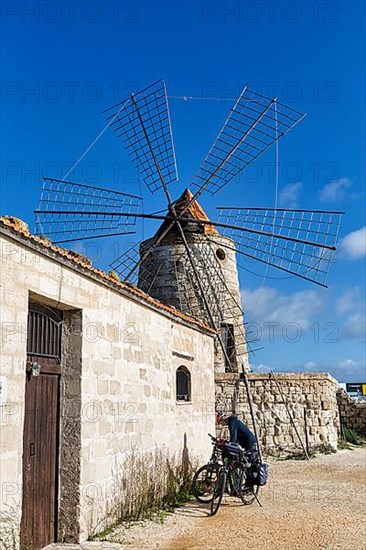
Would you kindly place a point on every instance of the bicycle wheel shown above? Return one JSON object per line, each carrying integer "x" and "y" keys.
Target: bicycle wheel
{"x": 204, "y": 481}
{"x": 218, "y": 492}
{"x": 247, "y": 491}
{"x": 231, "y": 483}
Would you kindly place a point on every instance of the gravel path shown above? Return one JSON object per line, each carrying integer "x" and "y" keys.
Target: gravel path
{"x": 316, "y": 505}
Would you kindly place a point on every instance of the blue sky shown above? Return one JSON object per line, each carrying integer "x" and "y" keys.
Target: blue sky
{"x": 63, "y": 63}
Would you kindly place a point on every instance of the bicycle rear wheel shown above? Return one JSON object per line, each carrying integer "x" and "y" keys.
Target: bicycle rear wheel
{"x": 204, "y": 481}
{"x": 218, "y": 492}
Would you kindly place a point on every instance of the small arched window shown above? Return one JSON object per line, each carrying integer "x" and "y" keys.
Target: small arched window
{"x": 183, "y": 384}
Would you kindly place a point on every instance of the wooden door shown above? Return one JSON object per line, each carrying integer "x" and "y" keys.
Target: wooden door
{"x": 40, "y": 450}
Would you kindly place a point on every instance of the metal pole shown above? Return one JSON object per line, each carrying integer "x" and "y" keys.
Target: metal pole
{"x": 341, "y": 426}
{"x": 290, "y": 416}
{"x": 306, "y": 431}
{"x": 251, "y": 410}
{"x": 182, "y": 218}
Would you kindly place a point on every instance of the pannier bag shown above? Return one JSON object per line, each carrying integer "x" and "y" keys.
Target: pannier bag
{"x": 231, "y": 450}
{"x": 259, "y": 474}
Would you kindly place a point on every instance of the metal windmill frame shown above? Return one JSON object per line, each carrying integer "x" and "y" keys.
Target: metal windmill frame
{"x": 300, "y": 242}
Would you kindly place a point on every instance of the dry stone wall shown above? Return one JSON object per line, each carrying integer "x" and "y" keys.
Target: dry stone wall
{"x": 310, "y": 398}
{"x": 352, "y": 412}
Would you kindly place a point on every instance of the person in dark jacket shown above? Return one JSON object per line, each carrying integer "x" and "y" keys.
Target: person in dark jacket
{"x": 239, "y": 432}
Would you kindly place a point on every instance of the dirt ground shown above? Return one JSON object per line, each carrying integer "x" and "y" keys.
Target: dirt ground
{"x": 315, "y": 505}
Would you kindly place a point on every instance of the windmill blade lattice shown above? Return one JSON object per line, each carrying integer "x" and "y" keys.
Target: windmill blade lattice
{"x": 174, "y": 281}
{"x": 225, "y": 307}
{"x": 143, "y": 122}
{"x": 70, "y": 211}
{"x": 254, "y": 124}
{"x": 301, "y": 242}
{"x": 126, "y": 261}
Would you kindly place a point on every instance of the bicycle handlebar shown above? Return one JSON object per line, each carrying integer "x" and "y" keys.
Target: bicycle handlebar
{"x": 215, "y": 440}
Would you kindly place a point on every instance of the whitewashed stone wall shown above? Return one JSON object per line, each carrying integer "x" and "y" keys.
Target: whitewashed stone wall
{"x": 127, "y": 374}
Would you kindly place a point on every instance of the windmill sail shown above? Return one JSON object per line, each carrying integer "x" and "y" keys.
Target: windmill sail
{"x": 70, "y": 211}
{"x": 253, "y": 125}
{"x": 301, "y": 242}
{"x": 143, "y": 122}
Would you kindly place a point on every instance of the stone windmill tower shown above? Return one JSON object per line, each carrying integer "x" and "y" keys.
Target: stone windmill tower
{"x": 167, "y": 275}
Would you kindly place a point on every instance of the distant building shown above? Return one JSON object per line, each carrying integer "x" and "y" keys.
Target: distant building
{"x": 356, "y": 390}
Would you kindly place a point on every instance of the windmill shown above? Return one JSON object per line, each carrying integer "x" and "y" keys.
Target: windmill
{"x": 190, "y": 262}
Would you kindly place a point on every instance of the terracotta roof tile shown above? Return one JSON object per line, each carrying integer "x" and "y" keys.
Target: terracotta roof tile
{"x": 21, "y": 228}
{"x": 194, "y": 211}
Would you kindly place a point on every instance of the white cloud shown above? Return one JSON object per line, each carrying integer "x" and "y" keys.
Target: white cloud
{"x": 355, "y": 326}
{"x": 348, "y": 301}
{"x": 351, "y": 308}
{"x": 353, "y": 245}
{"x": 267, "y": 305}
{"x": 310, "y": 366}
{"x": 345, "y": 370}
{"x": 289, "y": 195}
{"x": 334, "y": 191}
{"x": 347, "y": 363}
{"x": 268, "y": 312}
{"x": 263, "y": 368}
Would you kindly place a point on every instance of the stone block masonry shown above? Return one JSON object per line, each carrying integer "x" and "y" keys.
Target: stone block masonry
{"x": 352, "y": 412}
{"x": 310, "y": 398}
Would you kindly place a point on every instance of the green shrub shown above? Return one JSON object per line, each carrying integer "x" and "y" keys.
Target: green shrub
{"x": 351, "y": 436}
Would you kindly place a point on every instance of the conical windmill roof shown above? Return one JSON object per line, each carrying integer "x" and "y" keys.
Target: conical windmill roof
{"x": 194, "y": 211}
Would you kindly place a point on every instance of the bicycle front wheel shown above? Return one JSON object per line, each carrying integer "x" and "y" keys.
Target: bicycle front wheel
{"x": 204, "y": 481}
{"x": 218, "y": 492}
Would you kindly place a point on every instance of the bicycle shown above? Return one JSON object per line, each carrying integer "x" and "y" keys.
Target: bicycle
{"x": 234, "y": 478}
{"x": 205, "y": 478}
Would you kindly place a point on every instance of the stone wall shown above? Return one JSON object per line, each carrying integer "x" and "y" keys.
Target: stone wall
{"x": 118, "y": 380}
{"x": 70, "y": 429}
{"x": 352, "y": 412}
{"x": 310, "y": 398}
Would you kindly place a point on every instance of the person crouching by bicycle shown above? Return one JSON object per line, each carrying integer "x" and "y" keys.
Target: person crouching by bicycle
{"x": 239, "y": 432}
